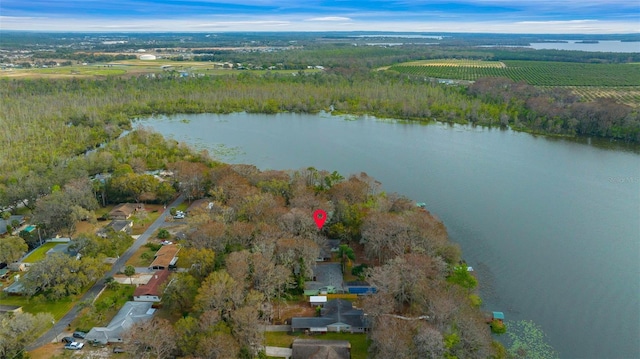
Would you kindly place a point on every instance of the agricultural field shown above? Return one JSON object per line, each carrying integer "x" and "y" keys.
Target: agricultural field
{"x": 456, "y": 63}
{"x": 629, "y": 95}
{"x": 538, "y": 73}
{"x": 130, "y": 68}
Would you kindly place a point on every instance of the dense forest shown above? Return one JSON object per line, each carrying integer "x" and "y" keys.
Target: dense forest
{"x": 46, "y": 121}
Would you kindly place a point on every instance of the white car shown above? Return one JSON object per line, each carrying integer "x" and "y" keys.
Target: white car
{"x": 74, "y": 346}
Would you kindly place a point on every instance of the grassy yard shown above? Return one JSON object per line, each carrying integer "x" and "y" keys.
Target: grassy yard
{"x": 359, "y": 342}
{"x": 136, "y": 259}
{"x": 40, "y": 253}
{"x": 142, "y": 221}
{"x": 39, "y": 304}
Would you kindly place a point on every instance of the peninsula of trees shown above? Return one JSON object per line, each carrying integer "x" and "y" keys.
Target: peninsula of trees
{"x": 254, "y": 247}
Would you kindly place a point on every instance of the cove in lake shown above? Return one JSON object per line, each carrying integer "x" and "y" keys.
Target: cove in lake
{"x": 552, "y": 225}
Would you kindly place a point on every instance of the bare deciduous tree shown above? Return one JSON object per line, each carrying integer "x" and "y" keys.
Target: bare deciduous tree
{"x": 149, "y": 339}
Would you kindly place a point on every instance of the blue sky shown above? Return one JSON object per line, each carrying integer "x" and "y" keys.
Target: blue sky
{"x": 524, "y": 16}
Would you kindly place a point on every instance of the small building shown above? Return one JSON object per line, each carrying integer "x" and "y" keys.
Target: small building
{"x": 150, "y": 292}
{"x": 124, "y": 210}
{"x": 499, "y": 316}
{"x": 321, "y": 349}
{"x": 129, "y": 314}
{"x": 5, "y": 309}
{"x": 165, "y": 258}
{"x": 317, "y": 300}
{"x": 148, "y": 57}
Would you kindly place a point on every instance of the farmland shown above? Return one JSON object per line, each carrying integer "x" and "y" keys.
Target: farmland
{"x": 538, "y": 73}
{"x": 129, "y": 68}
{"x": 628, "y": 95}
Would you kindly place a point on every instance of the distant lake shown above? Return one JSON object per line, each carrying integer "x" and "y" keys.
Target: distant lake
{"x": 551, "y": 225}
{"x": 601, "y": 46}
{"x": 575, "y": 45}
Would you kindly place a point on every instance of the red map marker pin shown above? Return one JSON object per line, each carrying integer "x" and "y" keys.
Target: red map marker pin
{"x": 320, "y": 217}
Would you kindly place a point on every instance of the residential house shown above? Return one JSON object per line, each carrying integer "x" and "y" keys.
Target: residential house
{"x": 321, "y": 349}
{"x": 337, "y": 315}
{"x": 131, "y": 313}
{"x": 165, "y": 258}
{"x": 64, "y": 248}
{"x": 330, "y": 246}
{"x": 16, "y": 288}
{"x": 124, "y": 210}
{"x": 150, "y": 292}
{"x": 117, "y": 225}
{"x": 9, "y": 222}
{"x": 17, "y": 267}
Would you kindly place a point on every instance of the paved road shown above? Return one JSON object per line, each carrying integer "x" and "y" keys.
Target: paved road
{"x": 92, "y": 293}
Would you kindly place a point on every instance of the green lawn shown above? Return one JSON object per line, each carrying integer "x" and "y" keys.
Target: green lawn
{"x": 359, "y": 342}
{"x": 136, "y": 259}
{"x": 40, "y": 253}
{"x": 38, "y": 304}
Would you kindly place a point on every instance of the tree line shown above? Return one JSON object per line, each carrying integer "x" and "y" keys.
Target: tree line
{"x": 46, "y": 121}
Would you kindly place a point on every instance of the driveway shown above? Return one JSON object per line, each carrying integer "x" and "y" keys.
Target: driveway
{"x": 62, "y": 324}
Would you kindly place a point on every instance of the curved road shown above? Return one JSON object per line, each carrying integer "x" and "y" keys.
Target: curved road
{"x": 91, "y": 294}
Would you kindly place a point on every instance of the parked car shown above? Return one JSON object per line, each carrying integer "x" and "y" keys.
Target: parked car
{"x": 80, "y": 335}
{"x": 67, "y": 340}
{"x": 118, "y": 350}
{"x": 74, "y": 346}
{"x": 166, "y": 243}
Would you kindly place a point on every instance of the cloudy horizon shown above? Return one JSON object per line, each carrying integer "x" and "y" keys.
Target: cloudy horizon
{"x": 488, "y": 16}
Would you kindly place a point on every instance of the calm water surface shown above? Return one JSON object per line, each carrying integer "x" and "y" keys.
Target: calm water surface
{"x": 601, "y": 46}
{"x": 552, "y": 225}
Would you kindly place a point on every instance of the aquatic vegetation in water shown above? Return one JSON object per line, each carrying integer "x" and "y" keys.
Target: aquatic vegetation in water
{"x": 528, "y": 341}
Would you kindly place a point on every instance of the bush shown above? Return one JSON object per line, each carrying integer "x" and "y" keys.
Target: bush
{"x": 498, "y": 327}
{"x": 475, "y": 300}
{"x": 463, "y": 278}
{"x": 359, "y": 270}
{"x": 153, "y": 246}
{"x": 173, "y": 211}
{"x": 163, "y": 234}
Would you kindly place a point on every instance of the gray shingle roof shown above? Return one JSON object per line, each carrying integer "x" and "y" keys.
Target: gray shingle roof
{"x": 131, "y": 313}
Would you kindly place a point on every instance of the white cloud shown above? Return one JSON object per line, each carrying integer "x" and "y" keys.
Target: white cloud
{"x": 297, "y": 23}
{"x": 330, "y": 18}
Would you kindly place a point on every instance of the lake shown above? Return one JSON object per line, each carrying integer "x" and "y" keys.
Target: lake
{"x": 600, "y": 46}
{"x": 551, "y": 225}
